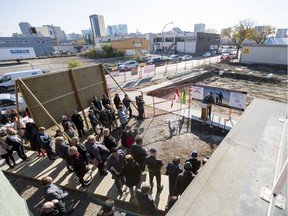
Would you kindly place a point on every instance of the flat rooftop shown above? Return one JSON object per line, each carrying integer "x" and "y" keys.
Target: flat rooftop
{"x": 231, "y": 182}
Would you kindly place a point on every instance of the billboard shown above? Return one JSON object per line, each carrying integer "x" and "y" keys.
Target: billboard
{"x": 222, "y": 97}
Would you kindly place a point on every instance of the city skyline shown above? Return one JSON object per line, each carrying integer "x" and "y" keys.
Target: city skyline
{"x": 73, "y": 16}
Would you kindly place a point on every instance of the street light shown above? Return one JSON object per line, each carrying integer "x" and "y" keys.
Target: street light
{"x": 163, "y": 37}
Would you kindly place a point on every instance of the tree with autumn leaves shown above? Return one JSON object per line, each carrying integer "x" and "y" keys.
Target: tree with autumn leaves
{"x": 245, "y": 30}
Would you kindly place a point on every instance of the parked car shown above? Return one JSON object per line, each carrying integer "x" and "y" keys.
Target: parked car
{"x": 186, "y": 58}
{"x": 157, "y": 61}
{"x": 8, "y": 102}
{"x": 207, "y": 54}
{"x": 174, "y": 58}
{"x": 128, "y": 65}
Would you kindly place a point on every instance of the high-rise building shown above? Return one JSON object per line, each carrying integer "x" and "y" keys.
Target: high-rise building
{"x": 25, "y": 27}
{"x": 112, "y": 30}
{"x": 122, "y": 29}
{"x": 281, "y": 33}
{"x": 97, "y": 25}
{"x": 200, "y": 27}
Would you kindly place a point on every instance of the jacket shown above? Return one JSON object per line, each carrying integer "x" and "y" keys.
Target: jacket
{"x": 182, "y": 182}
{"x": 77, "y": 120}
{"x": 53, "y": 191}
{"x": 118, "y": 164}
{"x": 109, "y": 142}
{"x": 78, "y": 166}
{"x": 132, "y": 174}
{"x": 139, "y": 154}
{"x": 154, "y": 164}
{"x": 62, "y": 149}
{"x": 146, "y": 203}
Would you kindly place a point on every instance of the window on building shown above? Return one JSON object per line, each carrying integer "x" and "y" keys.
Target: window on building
{"x": 169, "y": 39}
{"x": 7, "y": 41}
{"x": 20, "y": 41}
{"x": 26, "y": 41}
{"x": 43, "y": 41}
{"x": 179, "y": 39}
{"x": 13, "y": 41}
{"x": 38, "y": 41}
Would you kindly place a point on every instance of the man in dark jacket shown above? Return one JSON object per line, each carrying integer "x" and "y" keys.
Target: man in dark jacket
{"x": 126, "y": 101}
{"x": 78, "y": 121}
{"x": 105, "y": 100}
{"x": 172, "y": 170}
{"x": 117, "y": 101}
{"x": 183, "y": 179}
{"x": 146, "y": 203}
{"x": 115, "y": 163}
{"x": 194, "y": 162}
{"x": 154, "y": 166}
{"x": 97, "y": 103}
{"x": 140, "y": 107}
{"x": 139, "y": 154}
{"x": 209, "y": 100}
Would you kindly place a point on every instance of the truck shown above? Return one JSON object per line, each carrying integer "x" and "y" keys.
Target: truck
{"x": 7, "y": 80}
{"x": 157, "y": 61}
{"x": 16, "y": 53}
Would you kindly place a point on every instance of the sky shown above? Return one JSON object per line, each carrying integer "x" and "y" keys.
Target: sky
{"x": 145, "y": 16}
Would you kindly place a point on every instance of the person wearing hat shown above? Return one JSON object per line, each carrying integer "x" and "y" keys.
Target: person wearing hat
{"x": 195, "y": 162}
{"x": 154, "y": 166}
{"x": 183, "y": 179}
{"x": 209, "y": 99}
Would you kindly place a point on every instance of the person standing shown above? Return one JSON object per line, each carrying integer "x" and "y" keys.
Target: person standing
{"x": 154, "y": 167}
{"x": 7, "y": 154}
{"x": 132, "y": 174}
{"x": 140, "y": 107}
{"x": 195, "y": 162}
{"x": 139, "y": 154}
{"x": 31, "y": 133}
{"x": 52, "y": 191}
{"x": 78, "y": 165}
{"x": 14, "y": 140}
{"x": 117, "y": 101}
{"x": 115, "y": 163}
{"x": 78, "y": 121}
{"x": 127, "y": 101}
{"x": 62, "y": 148}
{"x": 97, "y": 103}
{"x": 105, "y": 100}
{"x": 97, "y": 152}
{"x": 183, "y": 179}
{"x": 220, "y": 96}
{"x": 127, "y": 138}
{"x": 46, "y": 142}
{"x": 172, "y": 170}
{"x": 209, "y": 100}
{"x": 80, "y": 148}
{"x": 122, "y": 117}
{"x": 109, "y": 209}
{"x": 146, "y": 203}
{"x": 109, "y": 141}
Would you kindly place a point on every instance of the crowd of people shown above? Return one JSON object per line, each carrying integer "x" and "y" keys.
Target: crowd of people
{"x": 126, "y": 162}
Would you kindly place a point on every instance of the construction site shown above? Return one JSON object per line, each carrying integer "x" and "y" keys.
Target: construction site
{"x": 178, "y": 130}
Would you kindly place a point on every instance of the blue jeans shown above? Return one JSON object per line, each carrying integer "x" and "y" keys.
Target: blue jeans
{"x": 20, "y": 151}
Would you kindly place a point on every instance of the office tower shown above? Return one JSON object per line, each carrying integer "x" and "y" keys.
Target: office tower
{"x": 112, "y": 30}
{"x": 97, "y": 25}
{"x": 25, "y": 26}
{"x": 122, "y": 29}
{"x": 200, "y": 27}
{"x": 281, "y": 33}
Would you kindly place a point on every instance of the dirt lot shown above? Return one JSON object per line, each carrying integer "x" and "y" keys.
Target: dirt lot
{"x": 169, "y": 133}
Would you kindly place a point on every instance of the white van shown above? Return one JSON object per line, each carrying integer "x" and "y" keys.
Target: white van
{"x": 7, "y": 80}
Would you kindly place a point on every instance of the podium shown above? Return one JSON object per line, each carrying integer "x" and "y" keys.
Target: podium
{"x": 204, "y": 111}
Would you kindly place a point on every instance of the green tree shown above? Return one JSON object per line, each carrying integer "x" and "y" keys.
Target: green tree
{"x": 261, "y": 35}
{"x": 74, "y": 63}
{"x": 240, "y": 32}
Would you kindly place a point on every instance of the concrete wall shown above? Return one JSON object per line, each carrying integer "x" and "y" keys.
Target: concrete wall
{"x": 10, "y": 201}
{"x": 264, "y": 54}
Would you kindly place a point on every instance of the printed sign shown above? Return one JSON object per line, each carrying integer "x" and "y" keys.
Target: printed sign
{"x": 19, "y": 51}
{"x": 148, "y": 68}
{"x": 246, "y": 51}
{"x": 222, "y": 97}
